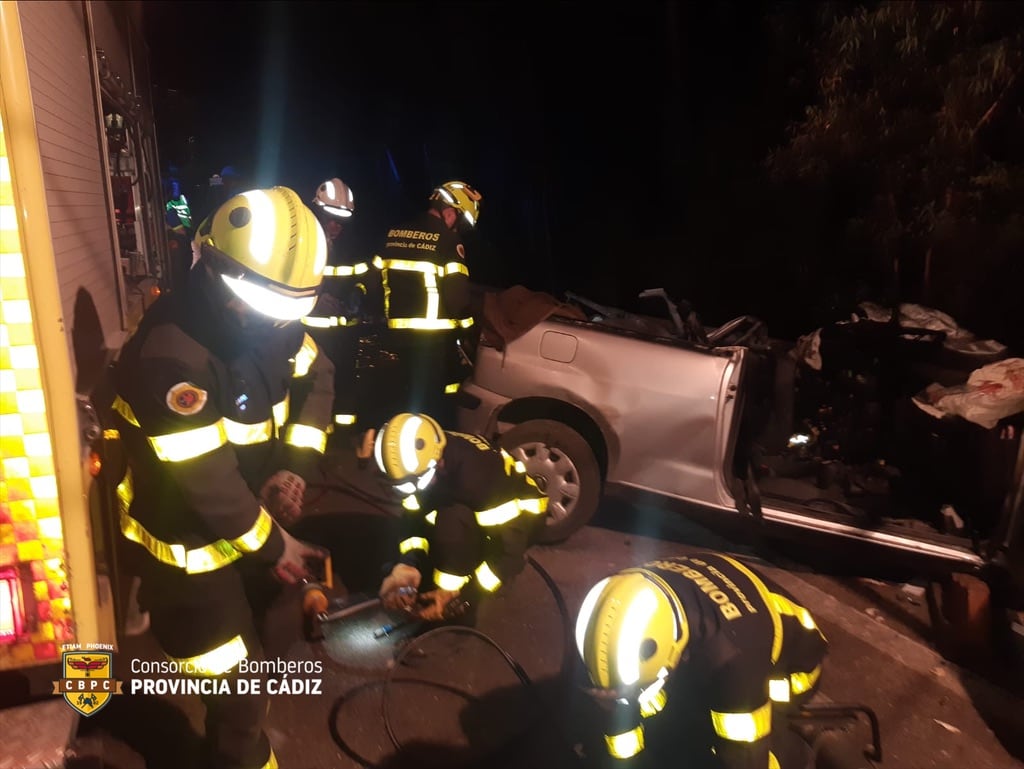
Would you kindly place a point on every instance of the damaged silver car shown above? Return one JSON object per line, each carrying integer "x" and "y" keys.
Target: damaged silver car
{"x": 744, "y": 430}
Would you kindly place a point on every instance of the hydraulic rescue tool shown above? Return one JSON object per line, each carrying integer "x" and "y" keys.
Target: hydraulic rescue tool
{"x": 316, "y": 600}
{"x": 318, "y": 607}
{"x": 454, "y": 608}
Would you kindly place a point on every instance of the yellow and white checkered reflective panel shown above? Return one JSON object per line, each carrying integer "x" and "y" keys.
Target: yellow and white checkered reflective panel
{"x": 31, "y": 529}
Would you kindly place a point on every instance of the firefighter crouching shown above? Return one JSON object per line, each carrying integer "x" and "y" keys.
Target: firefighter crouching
{"x": 217, "y": 450}
{"x": 698, "y": 640}
{"x": 427, "y": 299}
{"x": 470, "y": 512}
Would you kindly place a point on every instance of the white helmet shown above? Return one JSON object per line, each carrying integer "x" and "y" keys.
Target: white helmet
{"x": 334, "y": 198}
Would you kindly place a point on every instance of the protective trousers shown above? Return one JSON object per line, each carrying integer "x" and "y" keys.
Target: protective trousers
{"x": 341, "y": 345}
{"x": 206, "y": 623}
{"x": 431, "y": 370}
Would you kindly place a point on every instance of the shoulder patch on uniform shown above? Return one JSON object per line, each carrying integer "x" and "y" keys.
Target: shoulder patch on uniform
{"x": 461, "y": 252}
{"x": 185, "y": 398}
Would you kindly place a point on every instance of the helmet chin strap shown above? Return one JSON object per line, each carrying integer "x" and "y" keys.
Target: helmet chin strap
{"x": 251, "y": 321}
{"x": 238, "y": 317}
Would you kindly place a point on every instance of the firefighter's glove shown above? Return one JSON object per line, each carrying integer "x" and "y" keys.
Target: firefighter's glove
{"x": 292, "y": 567}
{"x": 391, "y": 594}
{"x": 353, "y": 304}
{"x": 328, "y": 305}
{"x": 282, "y": 495}
{"x": 432, "y": 605}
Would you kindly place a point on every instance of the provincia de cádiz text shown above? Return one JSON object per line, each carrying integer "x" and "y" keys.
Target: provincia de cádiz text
{"x": 253, "y": 677}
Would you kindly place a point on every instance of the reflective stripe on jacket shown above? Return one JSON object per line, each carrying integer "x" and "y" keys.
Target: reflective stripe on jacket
{"x": 203, "y": 430}
{"x": 424, "y": 276}
{"x": 750, "y": 645}
{"x": 495, "y": 493}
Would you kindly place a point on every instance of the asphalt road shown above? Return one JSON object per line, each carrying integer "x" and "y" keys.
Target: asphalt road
{"x": 504, "y": 696}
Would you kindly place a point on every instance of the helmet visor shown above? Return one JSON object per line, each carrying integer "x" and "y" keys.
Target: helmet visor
{"x": 268, "y": 302}
{"x": 336, "y": 211}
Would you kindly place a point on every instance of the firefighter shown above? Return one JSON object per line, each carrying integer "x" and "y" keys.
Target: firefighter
{"x": 426, "y": 291}
{"x": 178, "y": 204}
{"x": 221, "y": 187}
{"x": 178, "y": 229}
{"x": 335, "y": 320}
{"x": 703, "y": 636}
{"x": 469, "y": 514}
{"x": 217, "y": 452}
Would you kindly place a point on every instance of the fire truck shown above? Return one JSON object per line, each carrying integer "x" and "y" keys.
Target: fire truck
{"x": 82, "y": 254}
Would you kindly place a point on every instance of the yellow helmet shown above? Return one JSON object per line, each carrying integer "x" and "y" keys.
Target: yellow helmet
{"x": 631, "y": 630}
{"x": 408, "y": 448}
{"x": 461, "y": 197}
{"x": 269, "y": 249}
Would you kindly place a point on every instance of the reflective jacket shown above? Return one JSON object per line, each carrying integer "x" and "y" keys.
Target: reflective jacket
{"x": 349, "y": 286}
{"x": 206, "y": 417}
{"x": 497, "y": 505}
{"x": 424, "y": 276}
{"x": 750, "y": 647}
{"x": 180, "y": 206}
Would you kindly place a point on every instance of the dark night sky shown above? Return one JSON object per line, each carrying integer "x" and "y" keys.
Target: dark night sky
{"x": 573, "y": 120}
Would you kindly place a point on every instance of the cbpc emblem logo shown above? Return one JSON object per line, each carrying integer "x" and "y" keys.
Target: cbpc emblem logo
{"x": 87, "y": 684}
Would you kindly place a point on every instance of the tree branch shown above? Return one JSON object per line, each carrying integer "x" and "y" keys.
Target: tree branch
{"x": 999, "y": 105}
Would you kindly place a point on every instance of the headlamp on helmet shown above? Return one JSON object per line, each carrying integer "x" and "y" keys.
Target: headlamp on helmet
{"x": 407, "y": 449}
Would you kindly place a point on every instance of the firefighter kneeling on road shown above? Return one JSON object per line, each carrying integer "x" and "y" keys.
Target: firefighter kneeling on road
{"x": 710, "y": 642}
{"x": 217, "y": 453}
{"x": 470, "y": 512}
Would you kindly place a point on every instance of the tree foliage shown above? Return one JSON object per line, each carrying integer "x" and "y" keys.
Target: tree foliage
{"x": 918, "y": 118}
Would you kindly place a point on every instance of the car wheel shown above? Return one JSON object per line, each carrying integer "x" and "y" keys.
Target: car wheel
{"x": 563, "y": 465}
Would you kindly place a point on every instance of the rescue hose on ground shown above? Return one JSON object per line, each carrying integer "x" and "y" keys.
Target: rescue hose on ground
{"x": 458, "y": 629}
{"x": 506, "y": 744}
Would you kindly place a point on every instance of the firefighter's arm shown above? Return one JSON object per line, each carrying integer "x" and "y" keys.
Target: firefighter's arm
{"x": 741, "y": 714}
{"x": 455, "y": 288}
{"x": 174, "y": 222}
{"x": 413, "y": 549}
{"x": 305, "y": 433}
{"x": 175, "y": 410}
{"x": 455, "y": 291}
{"x": 371, "y": 307}
{"x": 414, "y": 541}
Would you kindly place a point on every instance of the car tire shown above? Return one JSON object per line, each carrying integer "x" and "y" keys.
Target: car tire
{"x": 563, "y": 464}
